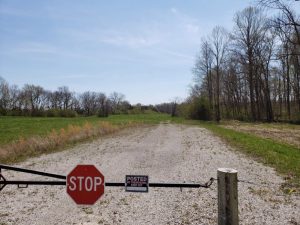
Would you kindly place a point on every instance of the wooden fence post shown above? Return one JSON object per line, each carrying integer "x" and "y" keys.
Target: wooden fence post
{"x": 227, "y": 197}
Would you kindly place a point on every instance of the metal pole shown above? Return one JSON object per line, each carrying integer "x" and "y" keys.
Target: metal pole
{"x": 227, "y": 197}
{"x": 109, "y": 184}
{"x": 32, "y": 172}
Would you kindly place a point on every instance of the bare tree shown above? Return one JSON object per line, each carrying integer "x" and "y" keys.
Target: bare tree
{"x": 34, "y": 95}
{"x": 249, "y": 32}
{"x": 219, "y": 44}
{"x": 203, "y": 70}
{"x": 287, "y": 18}
{"x": 287, "y": 24}
{"x": 89, "y": 102}
{"x": 4, "y": 95}
{"x": 14, "y": 93}
{"x": 66, "y": 96}
{"x": 115, "y": 99}
{"x": 174, "y": 106}
{"x": 36, "y": 101}
{"x": 103, "y": 105}
{"x": 264, "y": 53}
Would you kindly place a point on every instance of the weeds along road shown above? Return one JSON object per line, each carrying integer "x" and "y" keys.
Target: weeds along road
{"x": 167, "y": 153}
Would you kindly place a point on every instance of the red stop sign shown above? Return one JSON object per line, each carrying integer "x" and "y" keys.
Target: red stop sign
{"x": 85, "y": 184}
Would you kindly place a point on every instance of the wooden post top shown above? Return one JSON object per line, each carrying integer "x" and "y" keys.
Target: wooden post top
{"x": 227, "y": 170}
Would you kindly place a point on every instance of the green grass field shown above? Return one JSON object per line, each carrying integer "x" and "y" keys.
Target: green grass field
{"x": 13, "y": 128}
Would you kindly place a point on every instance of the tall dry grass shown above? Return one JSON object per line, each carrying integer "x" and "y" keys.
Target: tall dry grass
{"x": 37, "y": 145}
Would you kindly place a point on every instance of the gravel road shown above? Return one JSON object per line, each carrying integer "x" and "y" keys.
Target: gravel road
{"x": 167, "y": 153}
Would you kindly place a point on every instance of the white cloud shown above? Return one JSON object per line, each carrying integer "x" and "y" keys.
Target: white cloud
{"x": 192, "y": 28}
{"x": 36, "y": 47}
{"x": 136, "y": 38}
{"x": 75, "y": 76}
{"x": 134, "y": 41}
{"x": 174, "y": 10}
{"x": 186, "y": 23}
{"x": 39, "y": 50}
{"x": 176, "y": 54}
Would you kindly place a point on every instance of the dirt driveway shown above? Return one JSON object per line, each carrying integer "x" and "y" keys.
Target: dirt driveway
{"x": 167, "y": 153}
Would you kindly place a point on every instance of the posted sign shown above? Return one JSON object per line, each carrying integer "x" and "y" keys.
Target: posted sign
{"x": 136, "y": 183}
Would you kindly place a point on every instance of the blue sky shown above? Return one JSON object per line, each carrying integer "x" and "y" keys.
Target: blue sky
{"x": 143, "y": 49}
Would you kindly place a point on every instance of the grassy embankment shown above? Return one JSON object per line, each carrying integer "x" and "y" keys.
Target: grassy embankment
{"x": 24, "y": 137}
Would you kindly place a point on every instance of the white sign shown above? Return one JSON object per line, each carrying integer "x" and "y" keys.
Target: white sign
{"x": 136, "y": 183}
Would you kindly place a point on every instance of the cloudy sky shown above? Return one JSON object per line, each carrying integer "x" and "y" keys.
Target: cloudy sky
{"x": 141, "y": 48}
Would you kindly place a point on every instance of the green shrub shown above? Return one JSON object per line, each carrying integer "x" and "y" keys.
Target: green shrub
{"x": 199, "y": 109}
{"x": 102, "y": 113}
{"x": 135, "y": 110}
{"x": 60, "y": 113}
{"x": 52, "y": 113}
{"x": 3, "y": 112}
{"x": 38, "y": 113}
{"x": 15, "y": 112}
{"x": 67, "y": 113}
{"x": 183, "y": 110}
{"x": 296, "y": 119}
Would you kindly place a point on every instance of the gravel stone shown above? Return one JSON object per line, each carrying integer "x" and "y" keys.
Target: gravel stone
{"x": 167, "y": 153}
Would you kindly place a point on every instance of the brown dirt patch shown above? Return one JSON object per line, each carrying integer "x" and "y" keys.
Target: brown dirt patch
{"x": 288, "y": 134}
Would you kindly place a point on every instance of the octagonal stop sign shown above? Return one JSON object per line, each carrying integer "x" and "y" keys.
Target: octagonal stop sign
{"x": 85, "y": 184}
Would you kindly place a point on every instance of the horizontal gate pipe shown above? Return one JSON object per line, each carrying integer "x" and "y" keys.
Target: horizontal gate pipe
{"x": 108, "y": 184}
{"x": 32, "y": 172}
{"x": 168, "y": 185}
{"x": 111, "y": 184}
{"x": 21, "y": 182}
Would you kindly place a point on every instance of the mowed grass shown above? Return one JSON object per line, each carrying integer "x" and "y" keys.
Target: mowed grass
{"x": 14, "y": 128}
{"x": 283, "y": 157}
{"x": 25, "y": 137}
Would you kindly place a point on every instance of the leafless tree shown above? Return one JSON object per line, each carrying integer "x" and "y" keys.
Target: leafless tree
{"x": 103, "y": 105}
{"x": 287, "y": 18}
{"x": 115, "y": 100}
{"x": 66, "y": 96}
{"x": 249, "y": 32}
{"x": 14, "y": 93}
{"x": 89, "y": 102}
{"x": 259, "y": 73}
{"x": 287, "y": 24}
{"x": 4, "y": 95}
{"x": 219, "y": 43}
{"x": 34, "y": 96}
{"x": 203, "y": 70}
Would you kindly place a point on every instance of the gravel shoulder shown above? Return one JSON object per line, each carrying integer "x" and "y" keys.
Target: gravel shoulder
{"x": 167, "y": 153}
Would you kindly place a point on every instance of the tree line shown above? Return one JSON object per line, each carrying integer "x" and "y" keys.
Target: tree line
{"x": 34, "y": 100}
{"x": 253, "y": 71}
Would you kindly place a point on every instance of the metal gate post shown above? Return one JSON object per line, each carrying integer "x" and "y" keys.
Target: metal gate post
{"x": 227, "y": 197}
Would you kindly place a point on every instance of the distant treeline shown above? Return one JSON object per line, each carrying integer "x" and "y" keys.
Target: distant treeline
{"x": 252, "y": 72}
{"x": 34, "y": 100}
